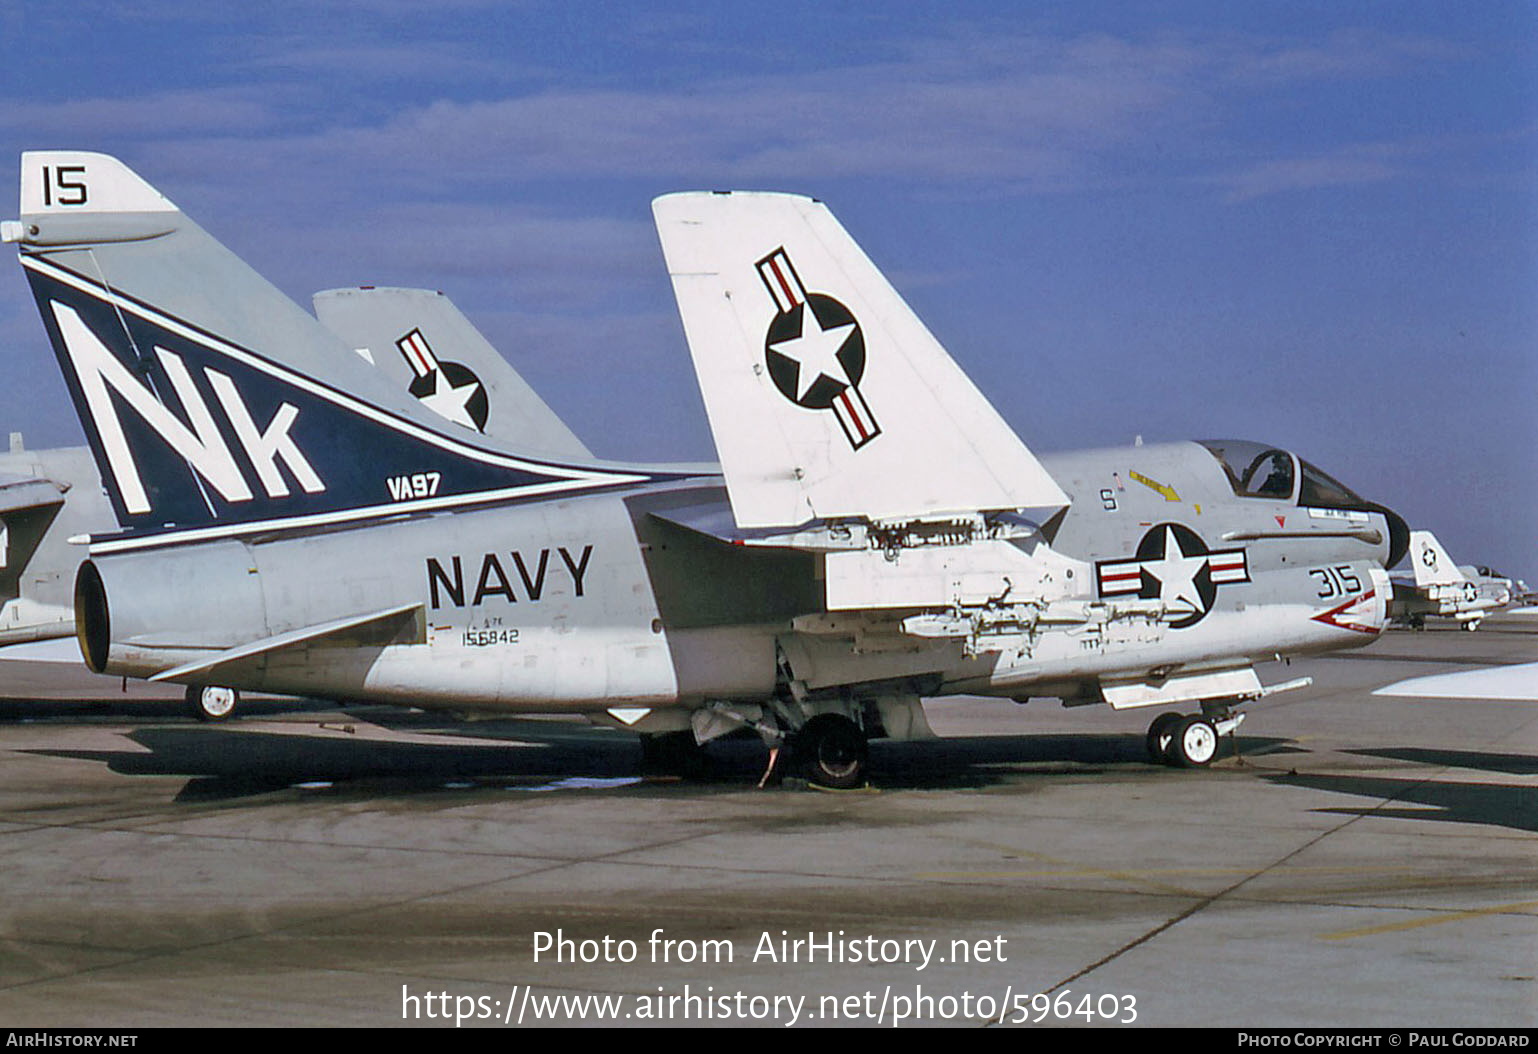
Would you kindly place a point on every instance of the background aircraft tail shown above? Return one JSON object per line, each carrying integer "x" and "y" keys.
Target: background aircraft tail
{"x": 1433, "y": 567}
{"x": 827, "y": 397}
{"x": 208, "y": 397}
{"x": 422, "y": 342}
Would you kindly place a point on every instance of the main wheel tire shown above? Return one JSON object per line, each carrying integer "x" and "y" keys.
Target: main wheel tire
{"x": 833, "y": 751}
{"x": 1161, "y": 735}
{"x": 1195, "y": 743}
{"x": 210, "y": 702}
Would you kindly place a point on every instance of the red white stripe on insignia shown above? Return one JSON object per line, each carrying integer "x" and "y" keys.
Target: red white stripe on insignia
{"x": 419, "y": 355}
{"x": 781, "y": 280}
{"x": 1125, "y": 576}
{"x": 1228, "y": 565}
{"x": 855, "y": 418}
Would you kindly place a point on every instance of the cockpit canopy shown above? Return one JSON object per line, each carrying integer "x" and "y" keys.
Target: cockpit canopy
{"x": 1256, "y": 470}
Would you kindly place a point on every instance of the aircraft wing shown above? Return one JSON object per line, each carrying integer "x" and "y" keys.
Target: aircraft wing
{"x": 826, "y": 395}
{"x": 1517, "y": 683}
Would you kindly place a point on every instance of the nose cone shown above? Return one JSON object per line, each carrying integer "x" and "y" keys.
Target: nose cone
{"x": 1398, "y": 534}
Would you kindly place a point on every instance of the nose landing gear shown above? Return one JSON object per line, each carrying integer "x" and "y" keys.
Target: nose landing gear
{"x": 1190, "y": 741}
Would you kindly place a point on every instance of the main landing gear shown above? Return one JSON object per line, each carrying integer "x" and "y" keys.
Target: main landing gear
{"x": 831, "y": 751}
{"x": 1190, "y": 741}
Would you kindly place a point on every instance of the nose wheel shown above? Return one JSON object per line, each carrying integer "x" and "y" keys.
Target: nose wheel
{"x": 1189, "y": 742}
{"x": 1195, "y": 743}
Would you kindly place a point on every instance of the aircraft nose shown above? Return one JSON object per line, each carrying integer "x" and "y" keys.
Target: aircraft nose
{"x": 1398, "y": 534}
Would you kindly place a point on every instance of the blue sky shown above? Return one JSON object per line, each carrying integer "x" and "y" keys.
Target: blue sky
{"x": 1310, "y": 224}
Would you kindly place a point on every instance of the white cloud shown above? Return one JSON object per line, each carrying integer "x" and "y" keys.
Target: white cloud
{"x": 1294, "y": 174}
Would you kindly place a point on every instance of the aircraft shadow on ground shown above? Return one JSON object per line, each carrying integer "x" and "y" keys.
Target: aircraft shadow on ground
{"x": 16, "y": 710}
{"x": 1511, "y": 764}
{"x": 229, "y": 762}
{"x": 1492, "y": 804}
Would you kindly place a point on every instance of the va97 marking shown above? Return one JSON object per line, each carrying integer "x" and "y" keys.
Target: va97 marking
{"x": 418, "y": 485}
{"x": 1337, "y": 581}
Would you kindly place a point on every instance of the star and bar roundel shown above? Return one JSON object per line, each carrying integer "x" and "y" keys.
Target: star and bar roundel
{"x": 1174, "y": 565}
{"x": 449, "y": 389}
{"x": 815, "y": 351}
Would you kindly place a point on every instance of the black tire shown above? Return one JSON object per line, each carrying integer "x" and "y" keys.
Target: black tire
{"x": 1161, "y": 736}
{"x": 1195, "y": 744}
{"x": 210, "y": 702}
{"x": 833, "y": 751}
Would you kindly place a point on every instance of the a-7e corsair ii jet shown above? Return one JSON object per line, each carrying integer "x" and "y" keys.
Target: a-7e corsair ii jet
{"x": 293, "y": 522}
{"x": 1434, "y": 585}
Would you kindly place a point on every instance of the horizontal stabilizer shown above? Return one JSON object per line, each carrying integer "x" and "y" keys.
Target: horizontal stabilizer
{"x": 375, "y": 628}
{"x": 19, "y": 495}
{"x": 827, "y": 397}
{"x": 28, "y": 507}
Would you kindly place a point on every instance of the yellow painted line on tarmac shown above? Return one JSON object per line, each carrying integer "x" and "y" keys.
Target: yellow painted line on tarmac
{"x": 1435, "y": 920}
{"x": 1162, "y": 872}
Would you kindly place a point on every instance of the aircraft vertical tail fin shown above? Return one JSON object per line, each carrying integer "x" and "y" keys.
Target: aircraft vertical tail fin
{"x": 208, "y": 397}
{"x": 1433, "y": 567}
{"x": 426, "y": 345}
{"x": 827, "y": 397}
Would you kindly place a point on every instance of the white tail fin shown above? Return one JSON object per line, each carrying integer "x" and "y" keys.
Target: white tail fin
{"x": 1433, "y": 567}
{"x": 827, "y": 397}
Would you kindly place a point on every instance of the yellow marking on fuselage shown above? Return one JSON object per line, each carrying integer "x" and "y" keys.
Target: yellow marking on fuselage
{"x": 1158, "y": 488}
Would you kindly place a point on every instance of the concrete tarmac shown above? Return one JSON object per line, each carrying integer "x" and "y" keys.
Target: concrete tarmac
{"x": 1365, "y": 861}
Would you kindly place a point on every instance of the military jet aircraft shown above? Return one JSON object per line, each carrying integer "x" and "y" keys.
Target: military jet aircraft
{"x": 48, "y": 497}
{"x": 291, "y": 521}
{"x": 1435, "y": 586}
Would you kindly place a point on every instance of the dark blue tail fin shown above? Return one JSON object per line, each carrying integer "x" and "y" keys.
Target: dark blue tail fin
{"x": 210, "y": 400}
